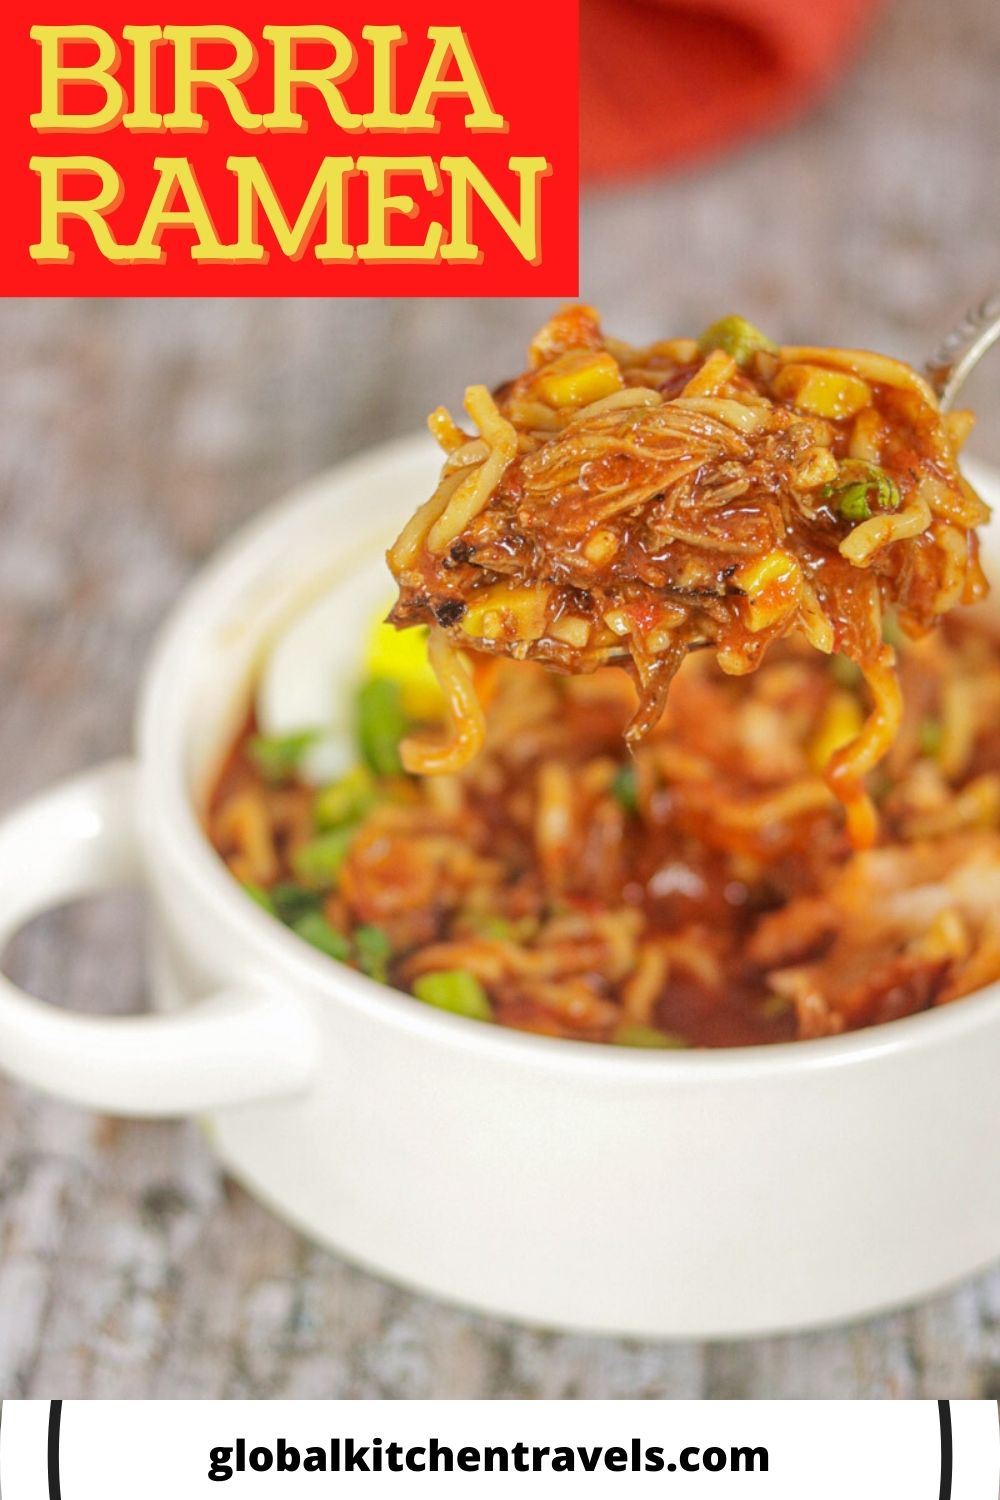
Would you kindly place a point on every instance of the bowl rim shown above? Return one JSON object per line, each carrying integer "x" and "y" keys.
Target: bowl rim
{"x": 170, "y": 820}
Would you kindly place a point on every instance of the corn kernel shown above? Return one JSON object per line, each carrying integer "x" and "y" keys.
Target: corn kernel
{"x": 578, "y": 377}
{"x": 772, "y": 585}
{"x": 841, "y": 722}
{"x": 825, "y": 393}
{"x": 507, "y": 613}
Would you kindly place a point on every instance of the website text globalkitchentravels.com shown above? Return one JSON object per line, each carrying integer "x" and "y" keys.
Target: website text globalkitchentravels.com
{"x": 377, "y": 1456}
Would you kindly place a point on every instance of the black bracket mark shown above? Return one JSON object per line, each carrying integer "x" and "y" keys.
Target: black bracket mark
{"x": 944, "y": 1420}
{"x": 55, "y": 1417}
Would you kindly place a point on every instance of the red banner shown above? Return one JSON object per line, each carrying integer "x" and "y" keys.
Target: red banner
{"x": 397, "y": 149}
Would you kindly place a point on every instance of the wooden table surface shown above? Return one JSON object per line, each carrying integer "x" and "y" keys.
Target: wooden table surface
{"x": 134, "y": 437}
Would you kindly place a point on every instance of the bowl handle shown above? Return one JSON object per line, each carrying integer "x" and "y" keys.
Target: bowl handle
{"x": 233, "y": 1047}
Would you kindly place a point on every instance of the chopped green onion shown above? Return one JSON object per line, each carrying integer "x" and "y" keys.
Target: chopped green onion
{"x": 858, "y": 487}
{"x": 631, "y": 1034}
{"x": 291, "y": 901}
{"x": 735, "y": 336}
{"x": 315, "y": 929}
{"x": 318, "y": 863}
{"x": 624, "y": 788}
{"x": 456, "y": 990}
{"x": 344, "y": 801}
{"x": 772, "y": 1007}
{"x": 278, "y": 756}
{"x": 373, "y": 951}
{"x": 381, "y": 725}
{"x": 852, "y": 502}
{"x": 886, "y": 489}
{"x": 259, "y": 894}
{"x": 930, "y": 736}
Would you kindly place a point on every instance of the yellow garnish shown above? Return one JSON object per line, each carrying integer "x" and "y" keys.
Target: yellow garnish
{"x": 578, "y": 377}
{"x": 771, "y": 584}
{"x": 824, "y": 393}
{"x": 401, "y": 656}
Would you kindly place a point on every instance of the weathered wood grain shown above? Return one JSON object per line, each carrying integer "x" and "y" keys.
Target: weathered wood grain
{"x": 134, "y": 436}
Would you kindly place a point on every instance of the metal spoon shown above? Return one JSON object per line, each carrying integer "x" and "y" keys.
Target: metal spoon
{"x": 958, "y": 354}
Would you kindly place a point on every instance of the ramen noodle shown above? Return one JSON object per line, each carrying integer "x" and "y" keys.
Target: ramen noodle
{"x": 697, "y": 890}
{"x": 636, "y": 504}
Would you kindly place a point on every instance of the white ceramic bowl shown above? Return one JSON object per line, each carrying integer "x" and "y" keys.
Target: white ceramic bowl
{"x": 660, "y": 1194}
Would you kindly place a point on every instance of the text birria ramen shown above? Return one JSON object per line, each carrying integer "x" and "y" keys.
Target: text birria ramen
{"x": 365, "y": 185}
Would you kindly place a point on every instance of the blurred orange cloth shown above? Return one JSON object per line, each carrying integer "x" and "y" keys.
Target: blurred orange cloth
{"x": 666, "y": 81}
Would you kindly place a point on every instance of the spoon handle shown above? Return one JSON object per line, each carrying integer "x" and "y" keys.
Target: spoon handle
{"x": 962, "y": 350}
